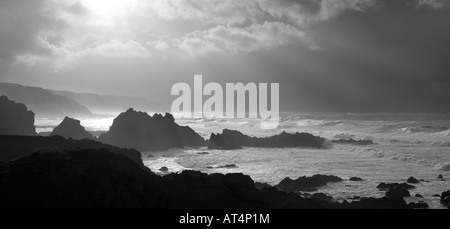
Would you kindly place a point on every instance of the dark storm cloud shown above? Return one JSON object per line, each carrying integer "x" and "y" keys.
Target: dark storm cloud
{"x": 348, "y": 55}
{"x": 392, "y": 57}
{"x": 22, "y": 21}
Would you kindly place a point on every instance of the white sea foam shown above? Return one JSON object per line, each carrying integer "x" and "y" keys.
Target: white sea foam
{"x": 443, "y": 166}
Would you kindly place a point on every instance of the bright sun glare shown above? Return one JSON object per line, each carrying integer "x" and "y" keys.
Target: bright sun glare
{"x": 107, "y": 12}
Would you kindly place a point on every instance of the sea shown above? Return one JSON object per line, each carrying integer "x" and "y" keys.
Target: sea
{"x": 407, "y": 145}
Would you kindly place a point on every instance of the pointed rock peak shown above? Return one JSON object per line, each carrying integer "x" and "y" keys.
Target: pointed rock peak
{"x": 169, "y": 117}
{"x": 133, "y": 112}
{"x": 71, "y": 128}
{"x": 71, "y": 120}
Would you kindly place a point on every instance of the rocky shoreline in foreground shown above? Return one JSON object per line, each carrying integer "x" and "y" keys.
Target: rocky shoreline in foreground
{"x": 97, "y": 178}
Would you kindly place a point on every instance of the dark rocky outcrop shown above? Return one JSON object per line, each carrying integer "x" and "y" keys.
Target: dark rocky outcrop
{"x": 15, "y": 118}
{"x": 445, "y": 199}
{"x": 141, "y": 131}
{"x": 99, "y": 179}
{"x": 397, "y": 191}
{"x": 419, "y": 205}
{"x": 307, "y": 184}
{"x": 385, "y": 186}
{"x": 78, "y": 179}
{"x": 352, "y": 141}
{"x": 14, "y": 147}
{"x": 71, "y": 128}
{"x": 96, "y": 178}
{"x": 232, "y": 139}
{"x": 356, "y": 179}
{"x": 196, "y": 190}
{"x": 164, "y": 169}
{"x": 440, "y": 177}
{"x": 419, "y": 196}
{"x": 227, "y": 166}
{"x": 260, "y": 185}
{"x": 412, "y": 180}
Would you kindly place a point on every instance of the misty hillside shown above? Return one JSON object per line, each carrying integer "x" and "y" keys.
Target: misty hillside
{"x": 43, "y": 103}
{"x": 109, "y": 104}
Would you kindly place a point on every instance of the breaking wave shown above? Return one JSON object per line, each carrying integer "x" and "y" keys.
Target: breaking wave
{"x": 377, "y": 153}
{"x": 312, "y": 122}
{"x": 443, "y": 166}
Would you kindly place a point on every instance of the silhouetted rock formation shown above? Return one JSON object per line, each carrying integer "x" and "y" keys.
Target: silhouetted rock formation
{"x": 397, "y": 191}
{"x": 196, "y": 190}
{"x": 306, "y": 183}
{"x": 15, "y": 118}
{"x": 44, "y": 103}
{"x": 139, "y": 130}
{"x": 78, "y": 179}
{"x": 412, "y": 180}
{"x": 352, "y": 141}
{"x": 232, "y": 139}
{"x": 357, "y": 179}
{"x": 383, "y": 186}
{"x": 445, "y": 199}
{"x": 14, "y": 147}
{"x": 164, "y": 169}
{"x": 419, "y": 196}
{"x": 71, "y": 128}
{"x": 419, "y": 205}
{"x": 96, "y": 178}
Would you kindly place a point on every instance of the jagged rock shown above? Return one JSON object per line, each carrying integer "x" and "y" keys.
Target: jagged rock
{"x": 445, "y": 199}
{"x": 133, "y": 129}
{"x": 71, "y": 128}
{"x": 14, "y": 147}
{"x": 164, "y": 169}
{"x": 419, "y": 196}
{"x": 384, "y": 186}
{"x": 321, "y": 197}
{"x": 260, "y": 185}
{"x": 412, "y": 180}
{"x": 15, "y": 118}
{"x": 231, "y": 139}
{"x": 419, "y": 205}
{"x": 397, "y": 191}
{"x": 196, "y": 190}
{"x": 352, "y": 141}
{"x": 356, "y": 179}
{"x": 87, "y": 178}
{"x": 78, "y": 179}
{"x": 440, "y": 176}
{"x": 436, "y": 195}
{"x": 228, "y": 166}
{"x": 307, "y": 183}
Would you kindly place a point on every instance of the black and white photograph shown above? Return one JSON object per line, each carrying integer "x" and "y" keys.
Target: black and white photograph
{"x": 251, "y": 106}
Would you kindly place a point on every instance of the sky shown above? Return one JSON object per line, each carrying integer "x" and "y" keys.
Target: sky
{"x": 327, "y": 55}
